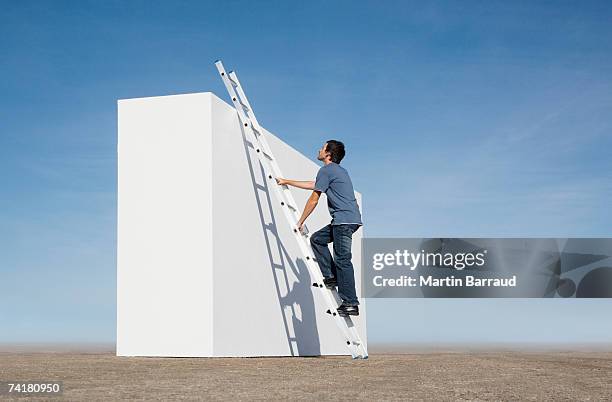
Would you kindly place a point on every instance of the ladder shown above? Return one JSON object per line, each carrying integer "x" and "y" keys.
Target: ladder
{"x": 255, "y": 134}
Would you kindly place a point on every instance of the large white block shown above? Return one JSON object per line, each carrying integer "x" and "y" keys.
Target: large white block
{"x": 198, "y": 272}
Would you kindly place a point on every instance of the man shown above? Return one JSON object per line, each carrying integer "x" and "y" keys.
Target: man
{"x": 334, "y": 181}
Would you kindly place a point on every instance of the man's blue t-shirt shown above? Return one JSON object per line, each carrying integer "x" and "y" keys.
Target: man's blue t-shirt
{"x": 334, "y": 181}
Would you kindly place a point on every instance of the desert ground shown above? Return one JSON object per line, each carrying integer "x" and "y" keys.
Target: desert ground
{"x": 389, "y": 374}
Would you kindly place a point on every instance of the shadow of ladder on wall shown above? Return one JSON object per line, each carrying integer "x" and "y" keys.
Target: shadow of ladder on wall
{"x": 301, "y": 333}
{"x": 255, "y": 135}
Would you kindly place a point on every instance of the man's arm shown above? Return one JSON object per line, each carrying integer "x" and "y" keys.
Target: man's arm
{"x": 306, "y": 185}
{"x": 312, "y": 202}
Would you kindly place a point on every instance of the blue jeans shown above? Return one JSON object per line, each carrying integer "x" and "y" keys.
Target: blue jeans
{"x": 340, "y": 266}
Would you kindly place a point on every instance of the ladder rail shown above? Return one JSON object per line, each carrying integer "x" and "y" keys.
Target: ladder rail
{"x": 255, "y": 133}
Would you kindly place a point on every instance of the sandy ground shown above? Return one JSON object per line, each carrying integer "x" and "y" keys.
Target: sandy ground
{"x": 422, "y": 375}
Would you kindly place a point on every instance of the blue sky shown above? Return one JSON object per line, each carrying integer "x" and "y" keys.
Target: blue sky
{"x": 465, "y": 119}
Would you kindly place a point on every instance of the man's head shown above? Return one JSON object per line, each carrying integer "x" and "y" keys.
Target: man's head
{"x": 332, "y": 151}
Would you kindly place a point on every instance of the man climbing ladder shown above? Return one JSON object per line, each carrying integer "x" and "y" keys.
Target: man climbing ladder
{"x": 334, "y": 181}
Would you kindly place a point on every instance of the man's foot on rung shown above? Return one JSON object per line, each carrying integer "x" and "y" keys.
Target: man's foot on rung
{"x": 345, "y": 310}
{"x": 330, "y": 283}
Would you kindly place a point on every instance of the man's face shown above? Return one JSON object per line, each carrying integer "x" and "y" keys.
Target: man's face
{"x": 323, "y": 153}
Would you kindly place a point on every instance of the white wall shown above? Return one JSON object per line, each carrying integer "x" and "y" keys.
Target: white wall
{"x": 164, "y": 261}
{"x": 248, "y": 292}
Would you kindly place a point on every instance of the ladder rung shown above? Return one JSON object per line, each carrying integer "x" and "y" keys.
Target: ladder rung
{"x": 236, "y": 99}
{"x": 260, "y": 187}
{"x": 267, "y": 155}
{"x": 229, "y": 77}
{"x": 283, "y": 203}
{"x": 292, "y": 207}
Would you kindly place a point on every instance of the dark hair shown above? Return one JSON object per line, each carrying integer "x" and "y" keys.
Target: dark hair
{"x": 336, "y": 150}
